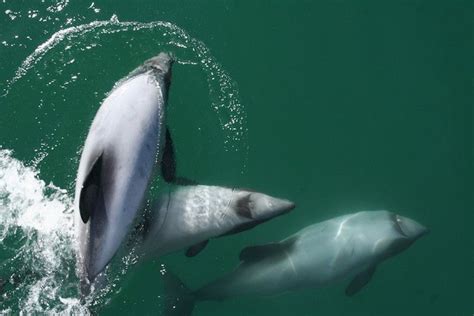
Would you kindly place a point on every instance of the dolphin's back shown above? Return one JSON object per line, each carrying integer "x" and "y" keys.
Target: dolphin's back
{"x": 313, "y": 257}
{"x": 123, "y": 137}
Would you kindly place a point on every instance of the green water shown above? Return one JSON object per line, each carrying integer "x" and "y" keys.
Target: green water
{"x": 337, "y": 105}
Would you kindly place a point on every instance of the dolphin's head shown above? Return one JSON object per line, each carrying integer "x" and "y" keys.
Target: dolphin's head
{"x": 161, "y": 62}
{"x": 390, "y": 232}
{"x": 408, "y": 228}
{"x": 259, "y": 207}
{"x": 407, "y": 231}
{"x": 161, "y": 67}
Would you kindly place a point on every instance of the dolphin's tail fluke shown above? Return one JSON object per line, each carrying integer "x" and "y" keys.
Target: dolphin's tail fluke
{"x": 179, "y": 300}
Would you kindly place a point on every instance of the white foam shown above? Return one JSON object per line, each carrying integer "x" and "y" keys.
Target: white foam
{"x": 24, "y": 202}
{"x": 39, "y": 212}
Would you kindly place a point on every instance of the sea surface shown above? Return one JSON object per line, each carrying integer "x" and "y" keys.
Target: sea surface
{"x": 338, "y": 105}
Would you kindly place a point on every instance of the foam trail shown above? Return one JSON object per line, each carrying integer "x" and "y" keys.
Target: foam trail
{"x": 42, "y": 264}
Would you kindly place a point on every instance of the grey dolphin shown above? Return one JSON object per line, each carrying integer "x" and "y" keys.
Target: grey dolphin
{"x": 188, "y": 216}
{"x": 346, "y": 247}
{"x": 125, "y": 139}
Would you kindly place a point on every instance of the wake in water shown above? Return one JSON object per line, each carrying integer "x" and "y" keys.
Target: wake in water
{"x": 38, "y": 246}
{"x": 36, "y": 238}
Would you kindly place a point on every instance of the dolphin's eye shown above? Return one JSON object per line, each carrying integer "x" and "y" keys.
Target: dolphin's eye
{"x": 397, "y": 221}
{"x": 397, "y": 218}
{"x": 155, "y": 67}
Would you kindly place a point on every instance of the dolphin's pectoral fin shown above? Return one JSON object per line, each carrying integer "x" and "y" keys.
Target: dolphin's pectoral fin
{"x": 90, "y": 190}
{"x": 360, "y": 281}
{"x": 168, "y": 161}
{"x": 197, "y": 248}
{"x": 256, "y": 253}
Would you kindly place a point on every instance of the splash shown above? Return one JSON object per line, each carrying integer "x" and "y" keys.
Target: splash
{"x": 223, "y": 91}
{"x": 37, "y": 236}
{"x": 36, "y": 231}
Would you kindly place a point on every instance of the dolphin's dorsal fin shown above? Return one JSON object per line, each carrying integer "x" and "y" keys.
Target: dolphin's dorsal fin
{"x": 168, "y": 164}
{"x": 90, "y": 190}
{"x": 256, "y": 253}
{"x": 360, "y": 280}
{"x": 197, "y": 248}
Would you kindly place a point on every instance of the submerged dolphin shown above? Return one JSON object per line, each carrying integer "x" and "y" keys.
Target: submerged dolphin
{"x": 190, "y": 215}
{"x": 346, "y": 247}
{"x": 124, "y": 141}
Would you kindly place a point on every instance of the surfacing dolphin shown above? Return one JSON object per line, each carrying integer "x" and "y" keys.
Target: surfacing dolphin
{"x": 346, "y": 247}
{"x": 125, "y": 140}
{"x": 188, "y": 216}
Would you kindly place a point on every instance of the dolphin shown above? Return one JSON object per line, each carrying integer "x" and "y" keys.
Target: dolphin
{"x": 348, "y": 247}
{"x": 188, "y": 216}
{"x": 126, "y": 138}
